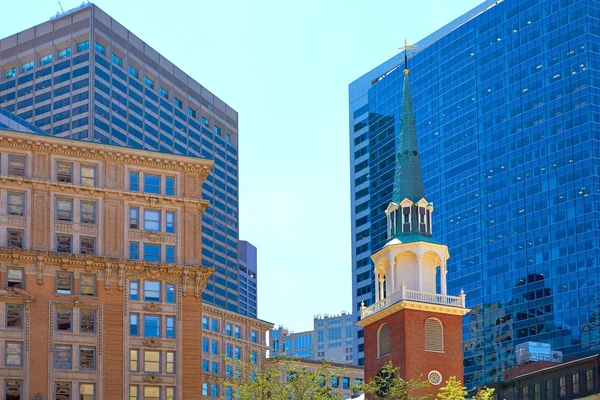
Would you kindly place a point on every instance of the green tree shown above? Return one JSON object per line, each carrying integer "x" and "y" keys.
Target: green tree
{"x": 485, "y": 394}
{"x": 454, "y": 390}
{"x": 388, "y": 383}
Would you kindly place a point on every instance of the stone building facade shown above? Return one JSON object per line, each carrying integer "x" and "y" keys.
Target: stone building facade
{"x": 100, "y": 275}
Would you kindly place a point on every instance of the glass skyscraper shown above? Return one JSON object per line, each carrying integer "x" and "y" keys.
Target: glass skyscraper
{"x": 507, "y": 110}
{"x": 82, "y": 75}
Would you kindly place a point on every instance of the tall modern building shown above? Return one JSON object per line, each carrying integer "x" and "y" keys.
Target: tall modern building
{"x": 507, "y": 120}
{"x": 248, "y": 278}
{"x": 82, "y": 75}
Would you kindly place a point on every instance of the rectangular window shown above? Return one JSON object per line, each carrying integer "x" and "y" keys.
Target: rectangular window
{"x": 205, "y": 345}
{"x": 227, "y": 138}
{"x": 88, "y": 175}
{"x": 28, "y": 66}
{"x": 214, "y": 325}
{"x": 204, "y": 389}
{"x": 151, "y": 361}
{"x": 64, "y": 53}
{"x": 64, "y": 319}
{"x": 13, "y": 354}
{"x": 134, "y": 218}
{"x": 253, "y": 337}
{"x": 549, "y": 390}
{"x": 170, "y": 186}
{"x": 134, "y": 323}
{"x": 16, "y": 204}
{"x": 214, "y": 347}
{"x": 589, "y": 380}
{"x": 152, "y": 326}
{"x": 164, "y": 93}
{"x": 152, "y": 291}
{"x": 117, "y": 60}
{"x": 47, "y": 59}
{"x": 133, "y": 392}
{"x": 100, "y": 48}
{"x": 88, "y": 212}
{"x": 83, "y": 46}
{"x": 63, "y": 356}
{"x": 87, "y": 358}
{"x": 237, "y": 353}
{"x": 228, "y": 329}
{"x": 191, "y": 112}
{"x": 170, "y": 325}
{"x": 62, "y": 391}
{"x": 133, "y": 72}
{"x": 87, "y": 391}
{"x": 216, "y": 130}
{"x": 170, "y": 293}
{"x": 14, "y": 277}
{"x": 87, "y": 245}
{"x": 10, "y": 73}
{"x": 14, "y": 315}
{"x": 64, "y": 243}
{"x": 214, "y": 390}
{"x": 178, "y": 103}
{"x": 134, "y": 181}
{"x": 214, "y": 367}
{"x": 87, "y": 324}
{"x": 64, "y": 172}
{"x": 205, "y": 121}
{"x": 204, "y": 323}
{"x": 64, "y": 209}
{"x": 170, "y": 393}
{"x": 16, "y": 165}
{"x": 170, "y": 362}
{"x": 134, "y": 360}
{"x": 152, "y": 183}
{"x": 64, "y": 282}
{"x": 12, "y": 389}
{"x": 15, "y": 238}
{"x": 236, "y": 332}
{"x": 87, "y": 284}
{"x": 134, "y": 250}
{"x": 575, "y": 381}
{"x": 151, "y": 252}
{"x": 170, "y": 222}
{"x": 169, "y": 254}
{"x": 563, "y": 386}
{"x": 229, "y": 351}
{"x": 149, "y": 82}
{"x": 537, "y": 394}
{"x": 152, "y": 220}
{"x": 151, "y": 392}
{"x": 134, "y": 287}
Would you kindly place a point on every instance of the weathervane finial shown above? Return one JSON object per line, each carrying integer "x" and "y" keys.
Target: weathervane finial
{"x": 405, "y": 50}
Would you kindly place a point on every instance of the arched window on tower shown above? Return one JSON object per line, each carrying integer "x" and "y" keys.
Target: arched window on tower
{"x": 384, "y": 341}
{"x": 434, "y": 335}
{"x": 405, "y": 219}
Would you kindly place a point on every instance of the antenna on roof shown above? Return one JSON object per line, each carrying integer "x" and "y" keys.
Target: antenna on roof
{"x": 60, "y": 5}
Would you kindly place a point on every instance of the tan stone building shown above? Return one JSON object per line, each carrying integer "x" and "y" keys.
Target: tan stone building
{"x": 100, "y": 276}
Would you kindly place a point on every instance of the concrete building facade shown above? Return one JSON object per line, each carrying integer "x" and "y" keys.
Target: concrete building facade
{"x": 101, "y": 283}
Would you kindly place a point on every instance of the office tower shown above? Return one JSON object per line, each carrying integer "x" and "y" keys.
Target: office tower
{"x": 248, "y": 278}
{"x": 82, "y": 75}
{"x": 506, "y": 124}
{"x": 284, "y": 343}
{"x": 101, "y": 284}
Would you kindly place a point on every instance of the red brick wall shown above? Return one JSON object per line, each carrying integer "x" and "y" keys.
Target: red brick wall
{"x": 408, "y": 347}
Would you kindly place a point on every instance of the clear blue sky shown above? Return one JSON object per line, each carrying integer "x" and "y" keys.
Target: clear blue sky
{"x": 285, "y": 67}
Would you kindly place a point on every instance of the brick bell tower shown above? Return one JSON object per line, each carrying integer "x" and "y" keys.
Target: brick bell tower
{"x": 412, "y": 323}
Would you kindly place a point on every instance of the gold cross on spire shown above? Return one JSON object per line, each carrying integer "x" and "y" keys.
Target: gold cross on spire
{"x": 405, "y": 49}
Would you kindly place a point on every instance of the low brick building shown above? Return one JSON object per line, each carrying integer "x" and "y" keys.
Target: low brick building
{"x": 100, "y": 275}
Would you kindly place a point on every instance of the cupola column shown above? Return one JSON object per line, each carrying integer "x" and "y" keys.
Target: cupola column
{"x": 376, "y": 286}
{"x": 381, "y": 290}
{"x": 392, "y": 278}
{"x": 443, "y": 272}
{"x": 420, "y": 273}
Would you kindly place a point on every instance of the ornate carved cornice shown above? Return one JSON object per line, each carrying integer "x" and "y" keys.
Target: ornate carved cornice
{"x": 152, "y": 307}
{"x": 152, "y": 378}
{"x": 16, "y": 295}
{"x": 152, "y": 343}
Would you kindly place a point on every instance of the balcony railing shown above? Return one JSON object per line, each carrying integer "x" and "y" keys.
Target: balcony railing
{"x": 414, "y": 295}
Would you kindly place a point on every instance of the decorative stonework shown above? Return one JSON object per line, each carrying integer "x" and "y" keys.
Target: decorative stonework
{"x": 38, "y": 396}
{"x": 434, "y": 377}
{"x": 151, "y": 378}
{"x": 152, "y": 343}
{"x": 152, "y": 307}
{"x": 140, "y": 235}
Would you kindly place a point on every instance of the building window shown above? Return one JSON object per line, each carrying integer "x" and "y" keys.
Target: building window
{"x": 237, "y": 353}
{"x": 151, "y": 252}
{"x": 169, "y": 254}
{"x": 64, "y": 282}
{"x": 88, "y": 212}
{"x": 170, "y": 362}
{"x": 170, "y": 186}
{"x": 215, "y": 367}
{"x": 134, "y": 181}
{"x": 170, "y": 327}
{"x": 134, "y": 322}
{"x": 214, "y": 325}
{"x": 87, "y": 358}
{"x": 152, "y": 326}
{"x": 63, "y": 356}
{"x": 178, "y": 103}
{"x": 14, "y": 315}
{"x": 87, "y": 391}
{"x": 549, "y": 390}
{"x": 134, "y": 287}
{"x": 149, "y": 82}
{"x": 205, "y": 345}
{"x": 47, "y": 59}
{"x": 64, "y": 53}
{"x": 335, "y": 382}
{"x": 134, "y": 218}
{"x": 525, "y": 393}
{"x": 228, "y": 329}
{"x": 133, "y": 72}
{"x": 575, "y": 381}
{"x": 12, "y": 388}
{"x": 62, "y": 391}
{"x": 216, "y": 130}
{"x": 64, "y": 172}
{"x": 170, "y": 222}
{"x": 64, "y": 319}
{"x": 64, "y": 209}
{"x": 87, "y": 324}
{"x": 152, "y": 220}
{"x": 134, "y": 250}
{"x": 589, "y": 380}
{"x": 537, "y": 393}
{"x": 164, "y": 93}
{"x": 191, "y": 112}
{"x": 10, "y": 73}
{"x": 16, "y": 204}
{"x": 151, "y": 392}
{"x": 563, "y": 386}
{"x": 134, "y": 360}
{"x": 253, "y": 337}
{"x": 88, "y": 175}
{"x": 229, "y": 351}
{"x": 117, "y": 60}
{"x": 236, "y": 332}
{"x": 28, "y": 66}
{"x": 434, "y": 335}
{"x": 227, "y": 138}
{"x": 83, "y": 46}
{"x": 100, "y": 48}
{"x": 253, "y": 357}
{"x": 152, "y": 183}
{"x": 152, "y": 291}
{"x": 16, "y": 165}
{"x": 170, "y": 296}
{"x": 64, "y": 243}
{"x": 14, "y": 238}
{"x": 87, "y": 245}
{"x": 214, "y": 390}
{"x": 133, "y": 392}
{"x": 205, "y": 121}
{"x": 170, "y": 393}
{"x": 14, "y": 278}
{"x": 151, "y": 361}
{"x": 384, "y": 340}
{"x": 87, "y": 284}
{"x": 214, "y": 347}
{"x": 13, "y": 354}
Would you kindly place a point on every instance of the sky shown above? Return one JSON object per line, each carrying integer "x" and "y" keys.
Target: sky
{"x": 285, "y": 67}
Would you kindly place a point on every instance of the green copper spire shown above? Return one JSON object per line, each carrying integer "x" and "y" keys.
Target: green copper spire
{"x": 408, "y": 178}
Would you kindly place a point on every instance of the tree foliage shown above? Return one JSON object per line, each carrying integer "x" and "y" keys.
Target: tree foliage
{"x": 282, "y": 379}
{"x": 388, "y": 383}
{"x": 453, "y": 390}
{"x": 485, "y": 394}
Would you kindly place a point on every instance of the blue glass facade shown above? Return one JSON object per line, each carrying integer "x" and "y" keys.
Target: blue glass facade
{"x": 507, "y": 117}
